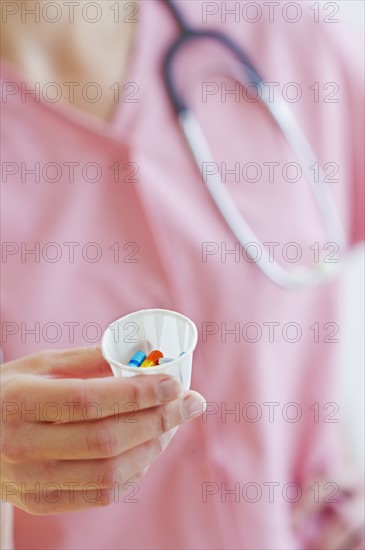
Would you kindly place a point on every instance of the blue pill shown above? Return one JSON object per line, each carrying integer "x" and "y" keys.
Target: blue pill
{"x": 137, "y": 359}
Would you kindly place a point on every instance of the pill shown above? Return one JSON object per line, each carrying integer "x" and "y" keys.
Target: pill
{"x": 137, "y": 359}
{"x": 152, "y": 359}
{"x": 146, "y": 364}
{"x": 165, "y": 360}
{"x": 154, "y": 355}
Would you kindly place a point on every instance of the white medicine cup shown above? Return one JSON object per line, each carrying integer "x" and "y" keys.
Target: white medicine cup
{"x": 146, "y": 330}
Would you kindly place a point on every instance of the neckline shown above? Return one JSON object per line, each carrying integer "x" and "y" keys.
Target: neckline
{"x": 122, "y": 113}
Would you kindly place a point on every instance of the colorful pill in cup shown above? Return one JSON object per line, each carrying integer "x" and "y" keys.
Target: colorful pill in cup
{"x": 152, "y": 359}
{"x": 173, "y": 335}
{"x": 137, "y": 359}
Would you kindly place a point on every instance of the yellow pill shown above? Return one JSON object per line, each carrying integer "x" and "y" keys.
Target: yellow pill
{"x": 147, "y": 364}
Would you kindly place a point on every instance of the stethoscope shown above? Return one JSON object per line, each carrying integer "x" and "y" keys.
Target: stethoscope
{"x": 285, "y": 120}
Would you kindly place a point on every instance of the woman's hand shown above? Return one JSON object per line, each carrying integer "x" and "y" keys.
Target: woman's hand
{"x": 72, "y": 435}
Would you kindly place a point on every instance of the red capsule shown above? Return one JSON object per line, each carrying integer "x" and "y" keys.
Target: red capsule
{"x": 152, "y": 359}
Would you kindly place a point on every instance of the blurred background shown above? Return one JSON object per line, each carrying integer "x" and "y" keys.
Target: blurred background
{"x": 351, "y": 355}
{"x": 353, "y": 10}
{"x": 352, "y": 328}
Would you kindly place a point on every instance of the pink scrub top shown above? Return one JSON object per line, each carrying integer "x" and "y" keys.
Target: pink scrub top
{"x": 135, "y": 228}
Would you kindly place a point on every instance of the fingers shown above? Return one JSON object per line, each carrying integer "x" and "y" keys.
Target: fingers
{"x": 77, "y": 475}
{"x": 105, "y": 438}
{"x": 40, "y": 399}
{"x": 65, "y": 486}
{"x": 52, "y": 501}
{"x": 66, "y": 421}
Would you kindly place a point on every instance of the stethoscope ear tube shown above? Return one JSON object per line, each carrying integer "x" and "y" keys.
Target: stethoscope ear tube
{"x": 190, "y": 35}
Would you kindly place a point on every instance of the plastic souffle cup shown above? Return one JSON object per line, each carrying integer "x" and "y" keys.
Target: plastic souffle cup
{"x": 146, "y": 330}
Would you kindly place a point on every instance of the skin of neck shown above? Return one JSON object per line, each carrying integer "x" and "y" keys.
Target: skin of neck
{"x": 70, "y": 43}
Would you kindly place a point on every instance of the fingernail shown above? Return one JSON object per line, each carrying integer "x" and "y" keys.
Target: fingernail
{"x": 193, "y": 405}
{"x": 169, "y": 389}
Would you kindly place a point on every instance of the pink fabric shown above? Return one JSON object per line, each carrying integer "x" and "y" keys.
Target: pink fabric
{"x": 169, "y": 214}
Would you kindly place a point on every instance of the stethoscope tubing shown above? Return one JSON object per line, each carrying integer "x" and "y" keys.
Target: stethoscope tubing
{"x": 288, "y": 125}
